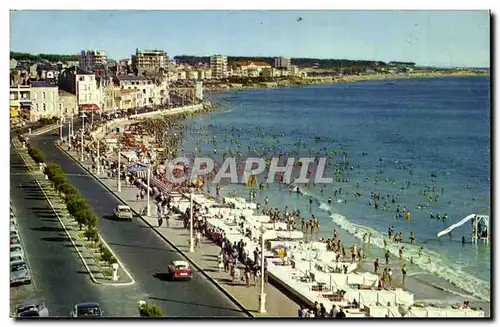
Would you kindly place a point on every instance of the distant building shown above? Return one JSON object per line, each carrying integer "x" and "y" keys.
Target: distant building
{"x": 47, "y": 72}
{"x": 218, "y": 66}
{"x": 89, "y": 59}
{"x": 149, "y": 61}
{"x": 249, "y": 68}
{"x": 141, "y": 83}
{"x": 282, "y": 62}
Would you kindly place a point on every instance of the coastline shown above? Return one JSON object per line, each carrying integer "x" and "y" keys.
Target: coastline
{"x": 310, "y": 81}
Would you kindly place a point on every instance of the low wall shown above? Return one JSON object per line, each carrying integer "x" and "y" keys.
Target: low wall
{"x": 101, "y": 131}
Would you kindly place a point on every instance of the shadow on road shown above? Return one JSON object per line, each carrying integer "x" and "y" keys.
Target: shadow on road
{"x": 55, "y": 239}
{"x": 141, "y": 247}
{"x": 47, "y": 229}
{"x": 193, "y": 303}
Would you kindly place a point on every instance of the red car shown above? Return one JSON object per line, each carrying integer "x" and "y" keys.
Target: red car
{"x": 179, "y": 270}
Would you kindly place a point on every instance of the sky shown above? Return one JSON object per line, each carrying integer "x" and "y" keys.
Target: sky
{"x": 429, "y": 38}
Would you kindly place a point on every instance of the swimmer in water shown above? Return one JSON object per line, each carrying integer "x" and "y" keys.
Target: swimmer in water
{"x": 329, "y": 200}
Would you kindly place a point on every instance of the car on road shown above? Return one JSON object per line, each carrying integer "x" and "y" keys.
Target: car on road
{"x": 19, "y": 273}
{"x": 87, "y": 309}
{"x": 179, "y": 270}
{"x": 14, "y": 239}
{"x": 32, "y": 309}
{"x": 16, "y": 250}
{"x": 123, "y": 212}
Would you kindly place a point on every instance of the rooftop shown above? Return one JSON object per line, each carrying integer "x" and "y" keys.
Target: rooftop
{"x": 42, "y": 84}
{"x": 131, "y": 78}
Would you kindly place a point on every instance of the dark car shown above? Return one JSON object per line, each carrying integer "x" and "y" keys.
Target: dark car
{"x": 88, "y": 309}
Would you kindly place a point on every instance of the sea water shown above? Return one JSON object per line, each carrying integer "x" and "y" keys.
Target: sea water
{"x": 429, "y": 132}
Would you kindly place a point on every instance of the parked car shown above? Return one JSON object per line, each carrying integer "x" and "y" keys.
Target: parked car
{"x": 19, "y": 273}
{"x": 13, "y": 232}
{"x": 123, "y": 212}
{"x": 14, "y": 239}
{"x": 32, "y": 309}
{"x": 88, "y": 309}
{"x": 16, "y": 249}
{"x": 16, "y": 258}
{"x": 179, "y": 270}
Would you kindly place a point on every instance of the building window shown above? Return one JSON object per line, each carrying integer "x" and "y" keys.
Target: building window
{"x": 60, "y": 107}
{"x": 44, "y": 106}
{"x": 81, "y": 78}
{"x": 44, "y": 96}
{"x": 36, "y": 96}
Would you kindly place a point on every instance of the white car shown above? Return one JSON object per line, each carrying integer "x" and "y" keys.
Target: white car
{"x": 14, "y": 239}
{"x": 16, "y": 250}
{"x": 19, "y": 273}
{"x": 123, "y": 212}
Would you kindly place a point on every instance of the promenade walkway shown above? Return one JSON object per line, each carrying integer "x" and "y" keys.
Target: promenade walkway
{"x": 277, "y": 303}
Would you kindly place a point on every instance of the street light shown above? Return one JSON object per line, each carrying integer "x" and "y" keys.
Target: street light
{"x": 119, "y": 181}
{"x": 191, "y": 244}
{"x": 262, "y": 296}
{"x": 148, "y": 211}
{"x": 98, "y": 157}
{"x": 83, "y": 129}
{"x": 61, "y": 127}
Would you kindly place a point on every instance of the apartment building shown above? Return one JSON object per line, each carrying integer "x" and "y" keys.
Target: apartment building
{"x": 20, "y": 102}
{"x": 249, "y": 68}
{"x": 282, "y": 62}
{"x": 149, "y": 61}
{"x": 91, "y": 59}
{"x": 83, "y": 85}
{"x": 218, "y": 66}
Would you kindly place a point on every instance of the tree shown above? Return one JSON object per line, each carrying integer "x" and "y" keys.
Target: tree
{"x": 75, "y": 204}
{"x": 83, "y": 216}
{"x": 151, "y": 310}
{"x": 92, "y": 235}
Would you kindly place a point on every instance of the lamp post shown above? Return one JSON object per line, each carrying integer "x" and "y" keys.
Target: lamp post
{"x": 71, "y": 133}
{"x": 119, "y": 181}
{"x": 61, "y": 126}
{"x": 83, "y": 129}
{"x": 148, "y": 211}
{"x": 191, "y": 243}
{"x": 262, "y": 296}
{"x": 98, "y": 157}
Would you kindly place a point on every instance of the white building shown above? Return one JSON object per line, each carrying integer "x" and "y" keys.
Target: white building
{"x": 90, "y": 58}
{"x": 83, "y": 85}
{"x": 294, "y": 70}
{"x": 218, "y": 66}
{"x": 282, "y": 62}
{"x": 45, "y": 100}
{"x": 152, "y": 93}
{"x": 149, "y": 61}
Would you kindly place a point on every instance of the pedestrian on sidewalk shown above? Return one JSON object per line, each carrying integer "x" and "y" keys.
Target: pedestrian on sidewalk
{"x": 198, "y": 239}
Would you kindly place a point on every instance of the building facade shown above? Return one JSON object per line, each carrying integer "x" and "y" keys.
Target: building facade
{"x": 45, "y": 100}
{"x": 89, "y": 59}
{"x": 83, "y": 85}
{"x": 218, "y": 66}
{"x": 149, "y": 61}
{"x": 282, "y": 62}
{"x": 67, "y": 104}
{"x": 20, "y": 103}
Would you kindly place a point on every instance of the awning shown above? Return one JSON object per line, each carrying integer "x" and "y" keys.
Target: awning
{"x": 91, "y": 107}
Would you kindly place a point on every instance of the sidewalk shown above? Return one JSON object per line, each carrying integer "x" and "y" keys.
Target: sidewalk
{"x": 277, "y": 303}
{"x": 99, "y": 271}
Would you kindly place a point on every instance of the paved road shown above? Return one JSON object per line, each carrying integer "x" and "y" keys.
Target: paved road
{"x": 144, "y": 254}
{"x": 60, "y": 279}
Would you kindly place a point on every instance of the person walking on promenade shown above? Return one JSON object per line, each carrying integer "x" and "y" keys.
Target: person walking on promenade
{"x": 376, "y": 265}
{"x": 403, "y": 272}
